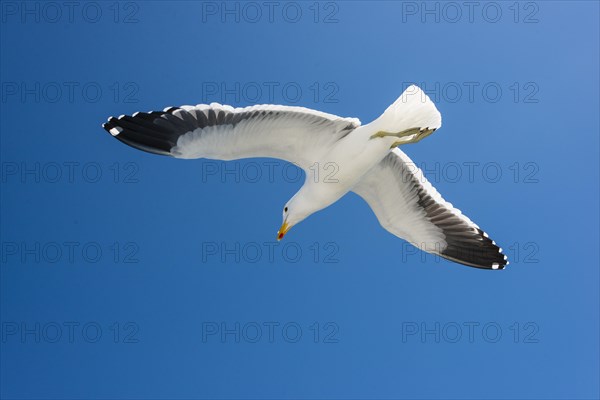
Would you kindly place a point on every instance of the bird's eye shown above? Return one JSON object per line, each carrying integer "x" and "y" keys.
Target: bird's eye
{"x": 285, "y": 209}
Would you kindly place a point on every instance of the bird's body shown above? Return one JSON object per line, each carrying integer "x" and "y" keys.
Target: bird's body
{"x": 337, "y": 154}
{"x": 335, "y": 173}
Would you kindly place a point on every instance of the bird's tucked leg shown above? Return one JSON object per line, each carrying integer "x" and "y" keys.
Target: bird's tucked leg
{"x": 412, "y": 135}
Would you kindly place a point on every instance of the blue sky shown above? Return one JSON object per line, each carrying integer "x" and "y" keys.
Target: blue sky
{"x": 128, "y": 275}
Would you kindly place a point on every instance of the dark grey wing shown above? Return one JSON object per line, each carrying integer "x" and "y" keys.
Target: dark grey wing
{"x": 408, "y": 206}
{"x": 294, "y": 134}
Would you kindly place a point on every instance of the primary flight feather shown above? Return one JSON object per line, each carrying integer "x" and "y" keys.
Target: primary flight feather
{"x": 366, "y": 157}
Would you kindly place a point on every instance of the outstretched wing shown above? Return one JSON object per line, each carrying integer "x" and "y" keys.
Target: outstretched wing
{"x": 294, "y": 134}
{"x": 408, "y": 206}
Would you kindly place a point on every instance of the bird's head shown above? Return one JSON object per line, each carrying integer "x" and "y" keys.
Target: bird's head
{"x": 294, "y": 212}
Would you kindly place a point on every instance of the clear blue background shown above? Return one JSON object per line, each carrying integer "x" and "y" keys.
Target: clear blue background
{"x": 548, "y": 225}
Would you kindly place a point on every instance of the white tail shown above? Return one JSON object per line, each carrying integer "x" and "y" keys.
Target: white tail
{"x": 413, "y": 109}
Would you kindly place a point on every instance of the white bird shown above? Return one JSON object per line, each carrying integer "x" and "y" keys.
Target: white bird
{"x": 364, "y": 159}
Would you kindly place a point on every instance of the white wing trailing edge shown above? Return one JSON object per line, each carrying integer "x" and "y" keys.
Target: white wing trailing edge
{"x": 408, "y": 206}
{"x": 215, "y": 131}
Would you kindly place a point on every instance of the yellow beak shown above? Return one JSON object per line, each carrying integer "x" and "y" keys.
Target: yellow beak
{"x": 285, "y": 227}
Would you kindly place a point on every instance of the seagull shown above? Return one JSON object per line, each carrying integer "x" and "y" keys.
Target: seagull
{"x": 365, "y": 159}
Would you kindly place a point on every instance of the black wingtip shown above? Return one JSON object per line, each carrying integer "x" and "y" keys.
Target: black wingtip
{"x": 143, "y": 132}
{"x": 483, "y": 253}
